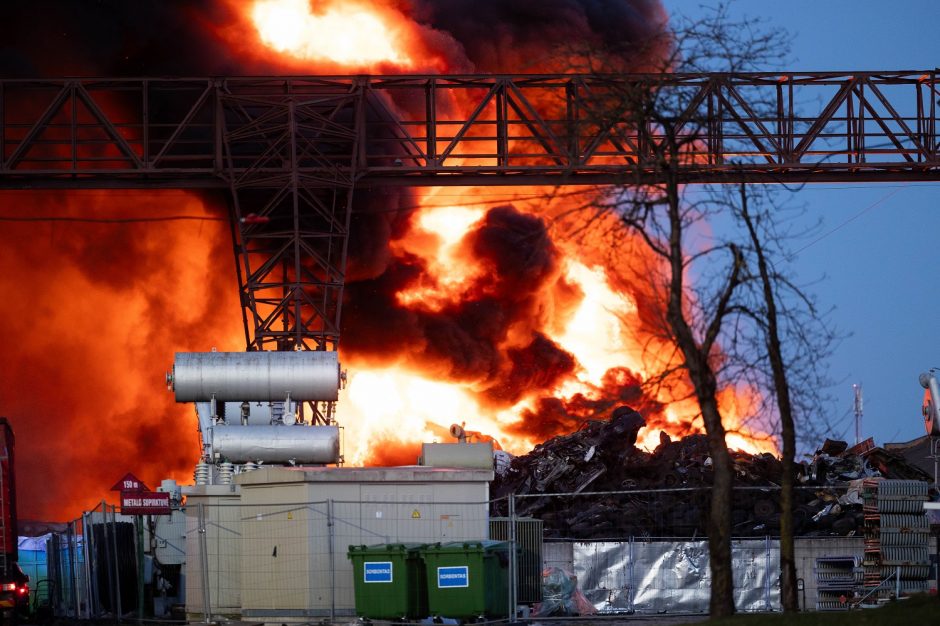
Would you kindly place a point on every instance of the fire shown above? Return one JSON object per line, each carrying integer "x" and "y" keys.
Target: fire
{"x": 444, "y": 227}
{"x": 345, "y": 33}
{"x": 94, "y": 312}
{"x": 587, "y": 306}
{"x": 488, "y": 316}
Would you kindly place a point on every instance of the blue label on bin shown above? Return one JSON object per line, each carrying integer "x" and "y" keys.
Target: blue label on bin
{"x": 454, "y": 576}
{"x": 377, "y": 571}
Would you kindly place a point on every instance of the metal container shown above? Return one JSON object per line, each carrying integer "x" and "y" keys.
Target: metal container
{"x": 255, "y": 376}
{"x": 276, "y": 444}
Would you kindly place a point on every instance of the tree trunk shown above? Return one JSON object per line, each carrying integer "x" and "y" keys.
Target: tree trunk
{"x": 702, "y": 375}
{"x": 719, "y": 536}
{"x": 788, "y": 596}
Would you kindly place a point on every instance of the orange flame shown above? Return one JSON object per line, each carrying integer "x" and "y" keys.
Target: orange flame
{"x": 596, "y": 309}
{"x": 345, "y": 33}
{"x": 599, "y": 318}
{"x": 94, "y": 313}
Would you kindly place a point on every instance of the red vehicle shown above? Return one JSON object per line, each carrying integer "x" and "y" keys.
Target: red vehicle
{"x": 14, "y": 584}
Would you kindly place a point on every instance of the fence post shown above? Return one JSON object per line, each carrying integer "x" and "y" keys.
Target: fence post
{"x": 513, "y": 564}
{"x": 109, "y": 564}
{"x": 73, "y": 588}
{"x": 139, "y": 555}
{"x": 91, "y": 576}
{"x": 117, "y": 564}
{"x": 329, "y": 530}
{"x": 204, "y": 557}
{"x": 768, "y": 575}
{"x": 632, "y": 570}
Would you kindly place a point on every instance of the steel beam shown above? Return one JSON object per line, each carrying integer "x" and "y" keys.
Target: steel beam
{"x": 290, "y": 151}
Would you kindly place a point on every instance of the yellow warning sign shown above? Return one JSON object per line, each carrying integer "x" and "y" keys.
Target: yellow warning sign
{"x": 416, "y": 514}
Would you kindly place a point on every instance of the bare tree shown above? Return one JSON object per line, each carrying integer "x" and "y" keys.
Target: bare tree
{"x": 733, "y": 307}
{"x": 783, "y": 314}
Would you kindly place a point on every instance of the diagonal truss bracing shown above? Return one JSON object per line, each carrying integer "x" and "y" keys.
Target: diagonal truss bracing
{"x": 290, "y": 151}
{"x": 463, "y": 130}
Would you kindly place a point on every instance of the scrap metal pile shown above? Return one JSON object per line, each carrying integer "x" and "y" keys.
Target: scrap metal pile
{"x": 614, "y": 489}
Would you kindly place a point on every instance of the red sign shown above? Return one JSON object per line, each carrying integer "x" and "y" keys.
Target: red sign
{"x": 130, "y": 483}
{"x": 145, "y": 503}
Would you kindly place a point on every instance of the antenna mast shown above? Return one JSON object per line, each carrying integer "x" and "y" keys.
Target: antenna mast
{"x": 857, "y": 388}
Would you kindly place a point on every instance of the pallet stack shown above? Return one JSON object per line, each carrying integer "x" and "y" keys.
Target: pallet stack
{"x": 837, "y": 579}
{"x": 871, "y": 559}
{"x": 897, "y": 536}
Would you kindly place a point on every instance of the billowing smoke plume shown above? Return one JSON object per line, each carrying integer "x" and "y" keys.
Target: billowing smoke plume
{"x": 95, "y": 310}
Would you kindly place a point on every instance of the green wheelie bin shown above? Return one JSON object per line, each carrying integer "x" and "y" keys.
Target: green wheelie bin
{"x": 389, "y": 581}
{"x": 468, "y": 580}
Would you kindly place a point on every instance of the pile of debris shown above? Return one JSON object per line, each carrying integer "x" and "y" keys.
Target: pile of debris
{"x": 612, "y": 489}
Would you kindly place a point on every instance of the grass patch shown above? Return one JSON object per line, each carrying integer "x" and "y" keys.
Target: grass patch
{"x": 912, "y": 611}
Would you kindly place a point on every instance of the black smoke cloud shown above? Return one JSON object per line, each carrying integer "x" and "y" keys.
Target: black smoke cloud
{"x": 539, "y": 35}
{"x": 163, "y": 38}
{"x": 464, "y": 339}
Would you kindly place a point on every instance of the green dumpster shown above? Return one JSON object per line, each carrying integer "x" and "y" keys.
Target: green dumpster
{"x": 389, "y": 581}
{"x": 468, "y": 579}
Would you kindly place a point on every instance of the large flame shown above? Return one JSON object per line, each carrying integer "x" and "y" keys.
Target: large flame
{"x": 344, "y": 32}
{"x": 464, "y": 310}
{"x": 496, "y": 318}
{"x": 595, "y": 310}
{"x": 99, "y": 293}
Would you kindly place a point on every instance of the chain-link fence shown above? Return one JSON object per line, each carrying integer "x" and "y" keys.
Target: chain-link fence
{"x": 684, "y": 512}
{"x": 632, "y": 551}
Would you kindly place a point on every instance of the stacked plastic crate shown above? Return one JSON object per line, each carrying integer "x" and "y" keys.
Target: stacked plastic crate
{"x": 837, "y": 578}
{"x": 905, "y": 533}
{"x": 872, "y": 556}
{"x": 897, "y": 536}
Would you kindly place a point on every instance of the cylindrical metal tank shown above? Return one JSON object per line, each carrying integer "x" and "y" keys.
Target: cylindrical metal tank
{"x": 277, "y": 444}
{"x": 255, "y": 376}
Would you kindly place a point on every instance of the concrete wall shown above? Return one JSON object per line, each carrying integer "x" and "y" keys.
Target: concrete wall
{"x": 808, "y": 549}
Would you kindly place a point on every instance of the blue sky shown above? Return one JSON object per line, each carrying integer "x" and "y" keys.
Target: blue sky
{"x": 874, "y": 258}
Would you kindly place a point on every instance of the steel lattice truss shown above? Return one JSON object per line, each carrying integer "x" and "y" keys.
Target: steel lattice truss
{"x": 290, "y": 151}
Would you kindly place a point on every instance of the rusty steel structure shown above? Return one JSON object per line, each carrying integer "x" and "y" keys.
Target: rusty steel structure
{"x": 289, "y": 152}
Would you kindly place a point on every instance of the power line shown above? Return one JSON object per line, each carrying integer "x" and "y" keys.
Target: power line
{"x": 845, "y": 223}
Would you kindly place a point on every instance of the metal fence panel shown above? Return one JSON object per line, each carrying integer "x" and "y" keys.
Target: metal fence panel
{"x": 673, "y": 576}
{"x": 277, "y": 560}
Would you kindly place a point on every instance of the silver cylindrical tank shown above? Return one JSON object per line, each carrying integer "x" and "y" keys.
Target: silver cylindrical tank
{"x": 255, "y": 376}
{"x": 277, "y": 444}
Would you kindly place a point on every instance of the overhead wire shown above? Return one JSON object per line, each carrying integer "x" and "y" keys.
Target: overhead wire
{"x": 845, "y": 223}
